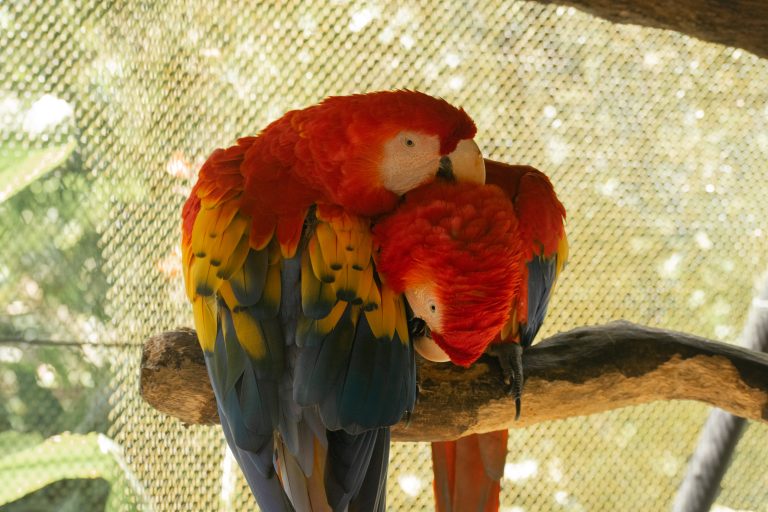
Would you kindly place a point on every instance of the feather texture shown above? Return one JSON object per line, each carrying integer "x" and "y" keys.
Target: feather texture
{"x": 462, "y": 241}
{"x": 467, "y": 472}
{"x": 365, "y": 323}
{"x": 307, "y": 349}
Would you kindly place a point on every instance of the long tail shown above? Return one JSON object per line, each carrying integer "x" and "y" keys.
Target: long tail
{"x": 468, "y": 472}
{"x": 347, "y": 473}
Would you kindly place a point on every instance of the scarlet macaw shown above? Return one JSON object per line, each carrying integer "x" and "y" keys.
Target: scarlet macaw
{"x": 289, "y": 310}
{"x": 480, "y": 276}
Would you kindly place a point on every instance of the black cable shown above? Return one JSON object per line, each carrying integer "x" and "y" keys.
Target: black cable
{"x": 722, "y": 430}
{"x": 64, "y": 343}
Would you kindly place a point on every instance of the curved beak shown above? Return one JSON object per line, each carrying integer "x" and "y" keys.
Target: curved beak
{"x": 465, "y": 163}
{"x": 429, "y": 349}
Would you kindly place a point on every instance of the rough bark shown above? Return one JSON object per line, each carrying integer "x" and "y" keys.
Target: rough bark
{"x": 737, "y": 23}
{"x": 580, "y": 372}
{"x": 174, "y": 379}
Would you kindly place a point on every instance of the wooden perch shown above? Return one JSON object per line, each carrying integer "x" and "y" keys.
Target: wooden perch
{"x": 739, "y": 23}
{"x": 580, "y": 372}
{"x": 174, "y": 379}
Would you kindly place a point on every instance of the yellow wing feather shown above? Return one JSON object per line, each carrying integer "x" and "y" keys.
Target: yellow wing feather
{"x": 223, "y": 245}
{"x": 319, "y": 265}
{"x": 249, "y": 333}
{"x": 204, "y": 309}
{"x": 270, "y": 298}
{"x": 316, "y": 296}
{"x": 340, "y": 258}
{"x": 217, "y": 251}
{"x": 211, "y": 223}
{"x": 326, "y": 325}
{"x": 337, "y": 273}
{"x": 203, "y": 277}
{"x": 236, "y": 258}
{"x": 329, "y": 245}
{"x": 562, "y": 255}
{"x": 345, "y": 244}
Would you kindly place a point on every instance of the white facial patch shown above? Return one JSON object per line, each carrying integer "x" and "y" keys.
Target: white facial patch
{"x": 424, "y": 304}
{"x": 410, "y": 159}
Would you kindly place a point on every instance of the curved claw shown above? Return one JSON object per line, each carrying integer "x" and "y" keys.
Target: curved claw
{"x": 510, "y": 356}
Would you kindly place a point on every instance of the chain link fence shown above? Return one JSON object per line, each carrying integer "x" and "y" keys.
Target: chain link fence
{"x": 657, "y": 144}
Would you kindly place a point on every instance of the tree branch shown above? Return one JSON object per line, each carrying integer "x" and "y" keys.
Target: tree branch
{"x": 580, "y": 372}
{"x": 739, "y": 23}
{"x": 174, "y": 379}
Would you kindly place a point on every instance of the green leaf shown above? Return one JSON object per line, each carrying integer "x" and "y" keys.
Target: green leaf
{"x": 67, "y": 456}
{"x": 16, "y": 172}
{"x": 12, "y": 442}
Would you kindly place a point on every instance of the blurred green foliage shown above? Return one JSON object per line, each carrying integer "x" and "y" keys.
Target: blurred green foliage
{"x": 53, "y": 381}
{"x": 82, "y": 462}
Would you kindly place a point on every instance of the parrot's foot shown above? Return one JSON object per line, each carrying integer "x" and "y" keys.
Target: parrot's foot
{"x": 510, "y": 356}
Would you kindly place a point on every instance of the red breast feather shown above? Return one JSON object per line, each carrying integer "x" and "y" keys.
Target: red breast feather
{"x": 540, "y": 212}
{"x": 463, "y": 239}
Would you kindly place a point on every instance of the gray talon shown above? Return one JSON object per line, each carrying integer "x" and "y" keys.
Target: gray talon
{"x": 510, "y": 357}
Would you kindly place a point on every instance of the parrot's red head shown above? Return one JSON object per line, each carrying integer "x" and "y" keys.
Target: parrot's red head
{"x": 366, "y": 150}
{"x": 454, "y": 250}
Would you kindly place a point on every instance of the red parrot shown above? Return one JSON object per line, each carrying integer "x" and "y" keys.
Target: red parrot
{"x": 478, "y": 266}
{"x": 289, "y": 309}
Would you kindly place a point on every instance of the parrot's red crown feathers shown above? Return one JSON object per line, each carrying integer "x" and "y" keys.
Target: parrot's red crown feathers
{"x": 379, "y": 112}
{"x": 461, "y": 240}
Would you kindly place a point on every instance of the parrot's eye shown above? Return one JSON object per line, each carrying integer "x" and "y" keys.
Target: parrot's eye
{"x": 424, "y": 302}
{"x": 410, "y": 159}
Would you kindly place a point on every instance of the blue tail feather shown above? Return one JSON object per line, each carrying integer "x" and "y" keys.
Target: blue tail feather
{"x": 359, "y": 381}
{"x": 372, "y": 496}
{"x": 320, "y": 366}
{"x": 266, "y": 488}
{"x": 348, "y": 462}
{"x": 541, "y": 280}
{"x": 373, "y": 395}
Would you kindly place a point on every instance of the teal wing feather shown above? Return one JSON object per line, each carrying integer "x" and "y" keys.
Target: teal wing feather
{"x": 309, "y": 357}
{"x": 248, "y": 359}
{"x": 356, "y": 362}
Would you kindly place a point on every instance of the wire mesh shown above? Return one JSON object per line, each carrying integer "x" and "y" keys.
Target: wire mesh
{"x": 657, "y": 144}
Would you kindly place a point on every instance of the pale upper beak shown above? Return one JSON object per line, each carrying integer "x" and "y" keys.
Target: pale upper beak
{"x": 429, "y": 350}
{"x": 467, "y": 162}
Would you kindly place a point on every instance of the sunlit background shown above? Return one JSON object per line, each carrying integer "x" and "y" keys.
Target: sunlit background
{"x": 657, "y": 144}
